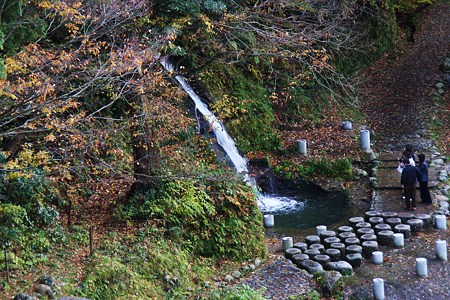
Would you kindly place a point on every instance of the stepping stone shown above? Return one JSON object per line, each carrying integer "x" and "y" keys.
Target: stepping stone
{"x": 327, "y": 234}
{"x": 319, "y": 247}
{"x": 322, "y": 259}
{"x": 393, "y": 221}
{"x": 363, "y": 225}
{"x": 338, "y": 246}
{"x": 334, "y": 254}
{"x": 363, "y": 231}
{"x": 368, "y": 247}
{"x": 312, "y": 267}
{"x": 368, "y": 237}
{"x": 300, "y": 245}
{"x": 345, "y": 235}
{"x": 415, "y": 224}
{"x": 297, "y": 258}
{"x": 386, "y": 237}
{"x": 352, "y": 241}
{"x": 370, "y": 214}
{"x": 355, "y": 220}
{"x": 405, "y": 216}
{"x": 291, "y": 252}
{"x": 426, "y": 218}
{"x": 403, "y": 228}
{"x": 388, "y": 214}
{"x": 354, "y": 259}
{"x": 376, "y": 220}
{"x": 353, "y": 249}
{"x": 311, "y": 253}
{"x": 342, "y": 229}
{"x": 312, "y": 239}
{"x": 328, "y": 241}
{"x": 380, "y": 227}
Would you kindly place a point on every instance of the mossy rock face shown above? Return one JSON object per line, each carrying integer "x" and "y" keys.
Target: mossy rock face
{"x": 331, "y": 284}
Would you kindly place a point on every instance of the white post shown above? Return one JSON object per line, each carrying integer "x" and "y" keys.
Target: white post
{"x": 441, "y": 250}
{"x": 365, "y": 139}
{"x": 399, "y": 240}
{"x": 287, "y": 243}
{"x": 302, "y": 147}
{"x": 269, "y": 221}
{"x": 421, "y": 267}
{"x": 378, "y": 288}
{"x": 377, "y": 257}
{"x": 320, "y": 229}
{"x": 441, "y": 221}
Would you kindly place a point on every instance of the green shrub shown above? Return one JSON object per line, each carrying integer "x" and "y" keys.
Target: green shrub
{"x": 217, "y": 218}
{"x": 108, "y": 278}
{"x": 243, "y": 292}
{"x": 339, "y": 169}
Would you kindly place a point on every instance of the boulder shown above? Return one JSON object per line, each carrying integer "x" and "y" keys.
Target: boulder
{"x": 341, "y": 266}
{"x": 312, "y": 267}
{"x": 331, "y": 283}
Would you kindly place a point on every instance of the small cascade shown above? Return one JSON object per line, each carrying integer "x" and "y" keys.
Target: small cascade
{"x": 266, "y": 203}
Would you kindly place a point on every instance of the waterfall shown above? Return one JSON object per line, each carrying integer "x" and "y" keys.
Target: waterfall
{"x": 266, "y": 203}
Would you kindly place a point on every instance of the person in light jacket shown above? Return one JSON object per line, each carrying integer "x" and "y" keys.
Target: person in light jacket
{"x": 408, "y": 181}
{"x": 423, "y": 180}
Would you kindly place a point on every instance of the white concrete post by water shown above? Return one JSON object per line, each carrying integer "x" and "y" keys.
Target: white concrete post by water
{"x": 441, "y": 221}
{"x": 377, "y": 257}
{"x": 302, "y": 147}
{"x": 287, "y": 243}
{"x": 421, "y": 267}
{"x": 399, "y": 240}
{"x": 269, "y": 221}
{"x": 378, "y": 289}
{"x": 441, "y": 250}
{"x": 365, "y": 139}
{"x": 320, "y": 229}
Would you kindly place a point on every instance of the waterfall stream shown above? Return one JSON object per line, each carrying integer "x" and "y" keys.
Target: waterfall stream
{"x": 266, "y": 203}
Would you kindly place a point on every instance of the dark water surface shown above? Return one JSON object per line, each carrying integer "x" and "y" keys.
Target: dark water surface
{"x": 315, "y": 207}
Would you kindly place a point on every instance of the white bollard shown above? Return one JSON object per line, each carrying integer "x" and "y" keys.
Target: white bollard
{"x": 320, "y": 229}
{"x": 378, "y": 288}
{"x": 287, "y": 243}
{"x": 302, "y": 148}
{"x": 399, "y": 240}
{"x": 347, "y": 125}
{"x": 441, "y": 221}
{"x": 377, "y": 257}
{"x": 421, "y": 267}
{"x": 441, "y": 250}
{"x": 365, "y": 139}
{"x": 269, "y": 221}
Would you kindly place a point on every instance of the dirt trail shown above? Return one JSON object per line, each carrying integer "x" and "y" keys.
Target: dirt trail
{"x": 398, "y": 87}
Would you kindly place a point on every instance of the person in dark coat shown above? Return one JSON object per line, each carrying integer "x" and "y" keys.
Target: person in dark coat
{"x": 423, "y": 180}
{"x": 408, "y": 180}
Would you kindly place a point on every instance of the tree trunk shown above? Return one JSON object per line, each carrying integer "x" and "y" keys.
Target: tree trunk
{"x": 146, "y": 158}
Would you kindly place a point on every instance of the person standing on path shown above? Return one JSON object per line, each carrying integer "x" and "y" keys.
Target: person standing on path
{"x": 423, "y": 180}
{"x": 408, "y": 181}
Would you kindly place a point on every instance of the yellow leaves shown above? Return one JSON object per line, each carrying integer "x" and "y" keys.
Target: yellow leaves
{"x": 207, "y": 21}
{"x": 27, "y": 158}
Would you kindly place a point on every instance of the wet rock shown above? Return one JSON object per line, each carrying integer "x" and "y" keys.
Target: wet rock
{"x": 341, "y": 266}
{"x": 312, "y": 267}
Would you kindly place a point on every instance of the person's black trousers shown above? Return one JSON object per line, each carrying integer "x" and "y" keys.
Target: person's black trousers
{"x": 424, "y": 192}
